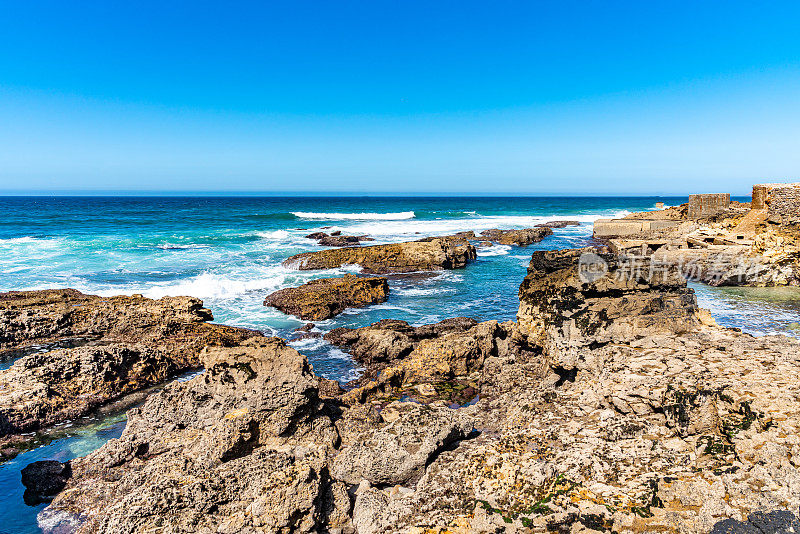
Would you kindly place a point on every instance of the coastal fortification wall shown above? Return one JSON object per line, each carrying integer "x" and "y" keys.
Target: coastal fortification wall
{"x": 708, "y": 205}
{"x": 782, "y": 202}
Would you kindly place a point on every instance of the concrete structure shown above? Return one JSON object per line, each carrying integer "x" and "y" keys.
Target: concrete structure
{"x": 782, "y": 202}
{"x": 708, "y": 205}
{"x": 607, "y": 228}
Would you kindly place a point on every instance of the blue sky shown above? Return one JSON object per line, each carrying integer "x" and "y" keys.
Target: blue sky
{"x": 406, "y": 96}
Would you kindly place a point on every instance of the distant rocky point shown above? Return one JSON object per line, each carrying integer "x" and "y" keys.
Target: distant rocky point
{"x": 717, "y": 241}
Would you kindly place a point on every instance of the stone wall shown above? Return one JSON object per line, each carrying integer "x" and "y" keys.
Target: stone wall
{"x": 782, "y": 202}
{"x": 708, "y": 205}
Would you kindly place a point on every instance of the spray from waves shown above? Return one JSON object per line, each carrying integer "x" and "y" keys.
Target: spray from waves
{"x": 399, "y": 216}
{"x": 494, "y": 250}
{"x": 418, "y": 292}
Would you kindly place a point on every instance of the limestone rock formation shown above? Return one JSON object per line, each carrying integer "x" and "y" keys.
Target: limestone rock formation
{"x": 324, "y": 298}
{"x": 119, "y": 345}
{"x": 433, "y": 255}
{"x": 574, "y": 300}
{"x": 399, "y": 449}
{"x": 521, "y": 238}
{"x": 716, "y": 241}
{"x": 243, "y": 447}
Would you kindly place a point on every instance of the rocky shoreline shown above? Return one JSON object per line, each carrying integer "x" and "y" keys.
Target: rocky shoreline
{"x": 611, "y": 404}
{"x": 716, "y": 241}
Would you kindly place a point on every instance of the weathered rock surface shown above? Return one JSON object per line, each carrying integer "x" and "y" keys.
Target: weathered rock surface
{"x": 433, "y": 255}
{"x": 39, "y": 317}
{"x": 716, "y": 241}
{"x": 569, "y": 303}
{"x": 521, "y": 238}
{"x": 126, "y": 344}
{"x": 671, "y": 431}
{"x": 324, "y": 298}
{"x": 612, "y": 404}
{"x": 243, "y": 447}
{"x": 399, "y": 449}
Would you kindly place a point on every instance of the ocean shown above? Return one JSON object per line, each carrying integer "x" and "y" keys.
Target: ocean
{"x": 228, "y": 252}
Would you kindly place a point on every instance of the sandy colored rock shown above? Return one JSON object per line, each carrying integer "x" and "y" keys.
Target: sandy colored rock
{"x": 521, "y": 238}
{"x": 244, "y": 447}
{"x": 433, "y": 255}
{"x": 327, "y": 297}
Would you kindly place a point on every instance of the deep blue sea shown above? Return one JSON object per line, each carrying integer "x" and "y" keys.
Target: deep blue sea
{"x": 228, "y": 251}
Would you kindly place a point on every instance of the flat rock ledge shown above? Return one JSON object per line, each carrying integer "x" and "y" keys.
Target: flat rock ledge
{"x": 327, "y": 297}
{"x": 433, "y": 255}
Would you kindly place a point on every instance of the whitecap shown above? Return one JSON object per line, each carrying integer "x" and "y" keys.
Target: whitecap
{"x": 494, "y": 250}
{"x": 355, "y": 216}
{"x": 418, "y": 292}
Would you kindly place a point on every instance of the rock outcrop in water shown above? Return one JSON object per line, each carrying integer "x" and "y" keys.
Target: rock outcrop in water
{"x": 118, "y": 345}
{"x": 433, "y": 255}
{"x": 521, "y": 238}
{"x": 612, "y": 404}
{"x": 327, "y": 297}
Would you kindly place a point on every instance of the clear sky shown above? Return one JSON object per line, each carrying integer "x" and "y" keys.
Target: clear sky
{"x": 399, "y": 96}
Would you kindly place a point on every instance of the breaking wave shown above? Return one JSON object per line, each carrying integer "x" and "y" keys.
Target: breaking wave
{"x": 399, "y": 216}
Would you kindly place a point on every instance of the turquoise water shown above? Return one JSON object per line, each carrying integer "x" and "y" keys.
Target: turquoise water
{"x": 228, "y": 251}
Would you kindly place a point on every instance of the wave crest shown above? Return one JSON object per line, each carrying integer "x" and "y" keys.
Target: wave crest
{"x": 398, "y": 216}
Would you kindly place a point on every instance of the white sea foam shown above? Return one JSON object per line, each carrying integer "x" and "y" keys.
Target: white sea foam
{"x": 311, "y": 343}
{"x": 275, "y": 234}
{"x": 355, "y": 216}
{"x": 418, "y": 292}
{"x": 494, "y": 250}
{"x": 210, "y": 285}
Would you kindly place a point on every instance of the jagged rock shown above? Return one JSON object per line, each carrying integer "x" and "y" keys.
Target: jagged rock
{"x": 43, "y": 480}
{"x": 442, "y": 357}
{"x": 574, "y": 300}
{"x": 324, "y": 298}
{"x": 396, "y": 451}
{"x": 557, "y": 224}
{"x": 434, "y": 255}
{"x": 391, "y": 339}
{"x": 242, "y": 447}
{"x": 336, "y": 239}
{"x": 129, "y": 343}
{"x": 520, "y": 238}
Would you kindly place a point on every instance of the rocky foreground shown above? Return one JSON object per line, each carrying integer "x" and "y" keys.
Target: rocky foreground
{"x": 102, "y": 349}
{"x": 611, "y": 404}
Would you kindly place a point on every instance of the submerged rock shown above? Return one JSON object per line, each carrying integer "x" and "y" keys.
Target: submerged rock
{"x": 434, "y": 255}
{"x": 324, "y": 298}
{"x": 43, "y": 480}
{"x": 521, "y": 238}
{"x": 557, "y": 224}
